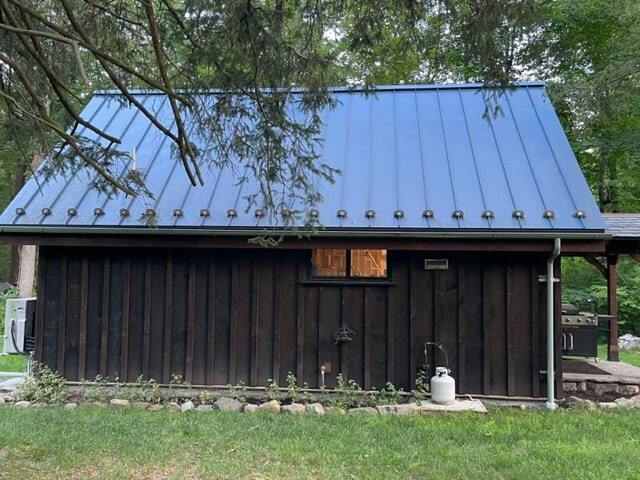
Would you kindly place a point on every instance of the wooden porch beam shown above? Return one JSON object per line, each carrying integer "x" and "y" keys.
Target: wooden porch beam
{"x": 612, "y": 300}
{"x": 601, "y": 266}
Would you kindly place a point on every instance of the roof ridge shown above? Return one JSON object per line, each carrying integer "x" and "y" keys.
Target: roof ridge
{"x": 342, "y": 88}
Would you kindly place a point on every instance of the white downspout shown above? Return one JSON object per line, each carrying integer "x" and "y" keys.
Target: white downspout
{"x": 551, "y": 403}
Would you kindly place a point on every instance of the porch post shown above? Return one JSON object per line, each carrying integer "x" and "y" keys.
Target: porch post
{"x": 612, "y": 300}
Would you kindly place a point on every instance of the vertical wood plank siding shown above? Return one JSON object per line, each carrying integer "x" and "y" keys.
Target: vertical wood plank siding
{"x": 225, "y": 316}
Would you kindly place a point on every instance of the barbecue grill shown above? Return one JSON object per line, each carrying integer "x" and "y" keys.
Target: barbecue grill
{"x": 579, "y": 331}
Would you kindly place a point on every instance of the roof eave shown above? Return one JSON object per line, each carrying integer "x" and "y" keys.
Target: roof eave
{"x": 488, "y": 234}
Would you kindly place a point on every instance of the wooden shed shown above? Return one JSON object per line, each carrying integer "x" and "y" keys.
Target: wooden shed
{"x": 439, "y": 228}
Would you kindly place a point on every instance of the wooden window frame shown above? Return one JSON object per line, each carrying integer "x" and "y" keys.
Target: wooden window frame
{"x": 347, "y": 278}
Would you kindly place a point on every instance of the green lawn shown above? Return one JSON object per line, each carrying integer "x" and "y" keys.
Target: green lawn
{"x": 13, "y": 363}
{"x": 632, "y": 357}
{"x": 101, "y": 442}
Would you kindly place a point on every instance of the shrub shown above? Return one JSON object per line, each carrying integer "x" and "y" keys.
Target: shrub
{"x": 292, "y": 386}
{"x": 307, "y": 396}
{"x": 205, "y": 397}
{"x": 239, "y": 391}
{"x": 348, "y": 393}
{"x": 146, "y": 391}
{"x": 140, "y": 391}
{"x": 96, "y": 390}
{"x": 44, "y": 385}
{"x": 272, "y": 390}
{"x": 422, "y": 384}
{"x": 388, "y": 395}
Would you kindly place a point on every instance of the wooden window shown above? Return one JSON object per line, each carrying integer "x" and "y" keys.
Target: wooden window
{"x": 329, "y": 262}
{"x": 368, "y": 263}
{"x": 358, "y": 263}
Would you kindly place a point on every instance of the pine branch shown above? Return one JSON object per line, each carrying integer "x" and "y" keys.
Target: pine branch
{"x": 71, "y": 141}
{"x": 54, "y": 80}
{"x": 98, "y": 53}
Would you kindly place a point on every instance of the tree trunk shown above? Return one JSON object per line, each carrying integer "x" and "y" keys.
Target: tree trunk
{"x": 26, "y": 277}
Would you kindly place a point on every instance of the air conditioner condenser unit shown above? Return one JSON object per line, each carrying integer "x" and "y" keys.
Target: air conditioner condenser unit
{"x": 19, "y": 325}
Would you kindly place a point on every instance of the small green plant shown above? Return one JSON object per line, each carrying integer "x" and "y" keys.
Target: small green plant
{"x": 204, "y": 397}
{"x": 307, "y": 396}
{"x": 146, "y": 390}
{"x": 422, "y": 385}
{"x": 44, "y": 385}
{"x": 388, "y": 395}
{"x": 120, "y": 390}
{"x": 178, "y": 381}
{"x": 140, "y": 391}
{"x": 239, "y": 391}
{"x": 95, "y": 390}
{"x": 292, "y": 386}
{"x": 272, "y": 390}
{"x": 175, "y": 380}
{"x": 348, "y": 393}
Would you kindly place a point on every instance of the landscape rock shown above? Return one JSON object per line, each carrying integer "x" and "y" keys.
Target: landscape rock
{"x": 363, "y": 411}
{"x": 70, "y": 406}
{"x": 315, "y": 409}
{"x": 628, "y": 389}
{"x": 38, "y": 404}
{"x": 250, "y": 407}
{"x": 293, "y": 409}
{"x": 173, "y": 407}
{"x": 155, "y": 407}
{"x": 600, "y": 389}
{"x": 228, "y": 404}
{"x": 608, "y": 405}
{"x": 204, "y": 408}
{"x": 142, "y": 405}
{"x": 636, "y": 401}
{"x": 624, "y": 402}
{"x": 335, "y": 411}
{"x": 570, "y": 387}
{"x": 119, "y": 402}
{"x": 386, "y": 409}
{"x": 2, "y": 400}
{"x": 272, "y": 406}
{"x": 22, "y": 404}
{"x": 628, "y": 342}
{"x": 428, "y": 406}
{"x": 578, "y": 403}
{"x": 186, "y": 406}
{"x": 406, "y": 409}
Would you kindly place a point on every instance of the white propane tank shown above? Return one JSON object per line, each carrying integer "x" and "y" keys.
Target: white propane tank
{"x": 443, "y": 387}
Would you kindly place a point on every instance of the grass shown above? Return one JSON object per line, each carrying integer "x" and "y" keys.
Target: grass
{"x": 13, "y": 363}
{"x": 632, "y": 357}
{"x": 104, "y": 443}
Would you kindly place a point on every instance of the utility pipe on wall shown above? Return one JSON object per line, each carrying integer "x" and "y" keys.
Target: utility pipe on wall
{"x": 551, "y": 350}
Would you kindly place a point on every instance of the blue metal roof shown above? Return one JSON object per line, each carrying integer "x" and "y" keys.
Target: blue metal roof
{"x": 414, "y": 148}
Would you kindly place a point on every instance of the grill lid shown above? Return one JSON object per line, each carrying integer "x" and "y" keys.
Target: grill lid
{"x": 570, "y": 309}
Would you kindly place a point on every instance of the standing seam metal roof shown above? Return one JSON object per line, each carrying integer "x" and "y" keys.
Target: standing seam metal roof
{"x": 424, "y": 158}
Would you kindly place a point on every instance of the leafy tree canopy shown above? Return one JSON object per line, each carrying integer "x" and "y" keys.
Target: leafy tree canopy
{"x": 53, "y": 53}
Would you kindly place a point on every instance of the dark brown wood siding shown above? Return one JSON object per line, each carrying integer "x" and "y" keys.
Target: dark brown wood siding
{"x": 221, "y": 316}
